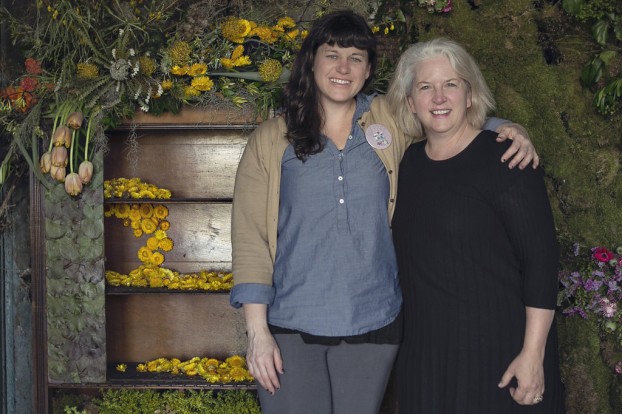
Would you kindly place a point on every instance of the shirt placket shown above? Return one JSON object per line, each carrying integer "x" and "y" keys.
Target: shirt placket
{"x": 340, "y": 188}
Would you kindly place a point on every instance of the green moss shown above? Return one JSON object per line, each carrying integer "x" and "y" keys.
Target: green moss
{"x": 585, "y": 375}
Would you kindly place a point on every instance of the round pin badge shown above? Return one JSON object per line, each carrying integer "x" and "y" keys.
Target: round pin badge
{"x": 378, "y": 136}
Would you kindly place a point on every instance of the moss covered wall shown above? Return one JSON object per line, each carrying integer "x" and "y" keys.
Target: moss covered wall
{"x": 579, "y": 149}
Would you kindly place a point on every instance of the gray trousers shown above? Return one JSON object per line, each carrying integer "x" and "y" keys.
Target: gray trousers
{"x": 329, "y": 379}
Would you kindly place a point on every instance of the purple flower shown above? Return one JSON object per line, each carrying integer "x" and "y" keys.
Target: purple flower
{"x": 592, "y": 285}
{"x": 575, "y": 249}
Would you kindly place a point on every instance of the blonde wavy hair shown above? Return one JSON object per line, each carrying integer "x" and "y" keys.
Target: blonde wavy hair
{"x": 461, "y": 61}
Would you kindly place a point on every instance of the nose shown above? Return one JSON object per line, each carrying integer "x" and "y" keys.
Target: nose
{"x": 343, "y": 66}
{"x": 439, "y": 95}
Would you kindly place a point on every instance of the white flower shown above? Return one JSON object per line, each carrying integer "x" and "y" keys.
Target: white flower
{"x": 114, "y": 54}
{"x": 121, "y": 31}
{"x": 132, "y": 52}
{"x": 144, "y": 108}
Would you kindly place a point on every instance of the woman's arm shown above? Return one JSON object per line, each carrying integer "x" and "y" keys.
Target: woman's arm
{"x": 522, "y": 151}
{"x": 263, "y": 356}
{"x": 527, "y": 367}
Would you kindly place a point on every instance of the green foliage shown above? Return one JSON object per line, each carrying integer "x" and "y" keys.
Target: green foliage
{"x": 129, "y": 401}
{"x": 601, "y": 74}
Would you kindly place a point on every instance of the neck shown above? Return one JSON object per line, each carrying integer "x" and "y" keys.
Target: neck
{"x": 338, "y": 122}
{"x": 441, "y": 146}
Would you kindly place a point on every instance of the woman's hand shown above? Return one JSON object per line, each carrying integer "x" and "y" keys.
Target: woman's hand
{"x": 522, "y": 151}
{"x": 529, "y": 373}
{"x": 263, "y": 356}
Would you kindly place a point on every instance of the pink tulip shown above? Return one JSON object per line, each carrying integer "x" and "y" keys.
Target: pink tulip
{"x": 85, "y": 171}
{"x": 73, "y": 184}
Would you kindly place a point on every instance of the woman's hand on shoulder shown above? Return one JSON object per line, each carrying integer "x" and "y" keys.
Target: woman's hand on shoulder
{"x": 522, "y": 151}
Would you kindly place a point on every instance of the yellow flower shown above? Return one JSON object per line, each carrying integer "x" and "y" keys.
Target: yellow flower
{"x": 270, "y": 70}
{"x": 148, "y": 226}
{"x": 180, "y": 70}
{"x": 202, "y": 83}
{"x": 197, "y": 69}
{"x": 167, "y": 84}
{"x": 160, "y": 211}
{"x": 235, "y": 30}
{"x": 286, "y": 22}
{"x": 121, "y": 367}
{"x": 134, "y": 215}
{"x": 135, "y": 224}
{"x": 265, "y": 34}
{"x": 157, "y": 258}
{"x": 293, "y": 34}
{"x": 144, "y": 254}
{"x": 235, "y": 361}
{"x": 180, "y": 52}
{"x": 237, "y": 52}
{"x": 87, "y": 71}
{"x": 166, "y": 244}
{"x": 242, "y": 61}
{"x": 160, "y": 234}
{"x": 147, "y": 65}
{"x": 146, "y": 210}
{"x": 122, "y": 211}
{"x": 152, "y": 243}
{"x": 165, "y": 225}
{"x": 190, "y": 92}
{"x": 304, "y": 34}
{"x": 141, "y": 368}
{"x": 238, "y": 374}
{"x": 126, "y": 222}
{"x": 375, "y": 29}
{"x": 226, "y": 63}
{"x": 138, "y": 233}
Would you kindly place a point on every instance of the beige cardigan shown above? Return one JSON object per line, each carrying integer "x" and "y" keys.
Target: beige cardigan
{"x": 257, "y": 185}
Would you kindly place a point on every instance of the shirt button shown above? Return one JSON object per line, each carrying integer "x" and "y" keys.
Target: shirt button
{"x": 341, "y": 201}
{"x": 349, "y": 136}
{"x": 340, "y": 178}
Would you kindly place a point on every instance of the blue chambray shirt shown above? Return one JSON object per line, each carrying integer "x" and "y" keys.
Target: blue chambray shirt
{"x": 335, "y": 272}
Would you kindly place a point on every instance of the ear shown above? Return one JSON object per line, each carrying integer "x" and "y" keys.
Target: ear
{"x": 368, "y": 72}
{"x": 469, "y": 101}
{"x": 411, "y": 104}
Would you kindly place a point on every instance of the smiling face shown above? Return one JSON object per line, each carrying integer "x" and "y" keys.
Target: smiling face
{"x": 439, "y": 98}
{"x": 339, "y": 73}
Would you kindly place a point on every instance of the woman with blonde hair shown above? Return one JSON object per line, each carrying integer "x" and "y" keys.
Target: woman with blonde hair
{"x": 476, "y": 251}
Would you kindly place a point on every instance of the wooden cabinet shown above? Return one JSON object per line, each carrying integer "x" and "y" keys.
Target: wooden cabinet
{"x": 196, "y": 159}
{"x": 195, "y": 155}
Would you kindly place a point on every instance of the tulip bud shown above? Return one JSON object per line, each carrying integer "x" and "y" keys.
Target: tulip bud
{"x": 73, "y": 184}
{"x": 62, "y": 136}
{"x": 46, "y": 162}
{"x": 85, "y": 171}
{"x": 74, "y": 120}
{"x": 59, "y": 157}
{"x": 58, "y": 173}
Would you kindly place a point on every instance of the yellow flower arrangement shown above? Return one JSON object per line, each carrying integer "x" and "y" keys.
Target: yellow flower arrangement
{"x": 210, "y": 369}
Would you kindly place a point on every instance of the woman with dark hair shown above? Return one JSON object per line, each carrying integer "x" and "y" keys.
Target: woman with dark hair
{"x": 313, "y": 259}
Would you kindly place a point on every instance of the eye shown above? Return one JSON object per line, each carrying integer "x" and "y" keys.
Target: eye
{"x": 357, "y": 59}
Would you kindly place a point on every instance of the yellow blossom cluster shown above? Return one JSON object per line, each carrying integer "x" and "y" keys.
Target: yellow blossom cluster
{"x": 133, "y": 188}
{"x": 385, "y": 28}
{"x": 237, "y": 58}
{"x": 161, "y": 277}
{"x": 143, "y": 218}
{"x": 232, "y": 369}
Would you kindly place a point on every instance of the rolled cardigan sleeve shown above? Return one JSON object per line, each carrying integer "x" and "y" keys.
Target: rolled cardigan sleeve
{"x": 251, "y": 293}
{"x": 251, "y": 258}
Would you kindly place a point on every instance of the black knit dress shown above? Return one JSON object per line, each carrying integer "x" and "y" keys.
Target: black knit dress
{"x": 475, "y": 244}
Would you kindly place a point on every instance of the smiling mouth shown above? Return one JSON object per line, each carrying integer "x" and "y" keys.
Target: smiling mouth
{"x": 340, "y": 81}
{"x": 440, "y": 112}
